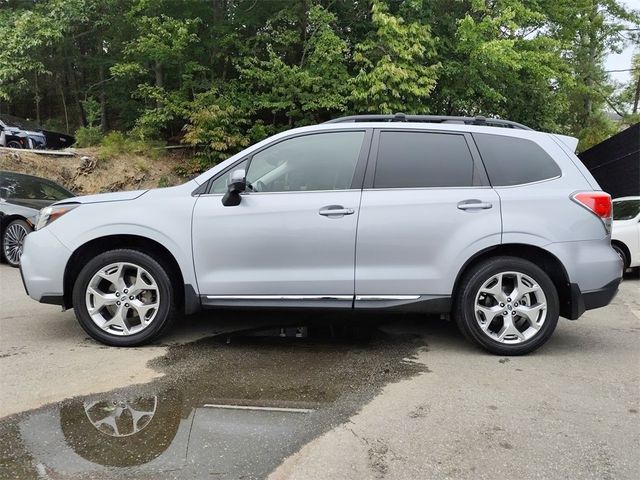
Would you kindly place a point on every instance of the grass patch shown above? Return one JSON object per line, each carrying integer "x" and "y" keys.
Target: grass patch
{"x": 116, "y": 144}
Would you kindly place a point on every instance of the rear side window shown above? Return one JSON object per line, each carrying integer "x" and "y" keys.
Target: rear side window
{"x": 514, "y": 161}
{"x": 423, "y": 159}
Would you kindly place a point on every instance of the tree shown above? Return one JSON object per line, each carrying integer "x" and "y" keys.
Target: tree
{"x": 395, "y": 67}
{"x": 256, "y": 67}
{"x": 590, "y": 29}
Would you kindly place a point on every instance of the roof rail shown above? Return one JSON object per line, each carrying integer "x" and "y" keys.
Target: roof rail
{"x": 401, "y": 117}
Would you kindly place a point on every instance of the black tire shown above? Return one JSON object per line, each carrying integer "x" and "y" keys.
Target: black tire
{"x": 166, "y": 312}
{"x": 14, "y": 144}
{"x": 464, "y": 306}
{"x": 623, "y": 256}
{"x": 15, "y": 223}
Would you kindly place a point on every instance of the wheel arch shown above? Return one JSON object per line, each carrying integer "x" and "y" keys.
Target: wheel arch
{"x": 625, "y": 250}
{"x": 541, "y": 257}
{"x": 6, "y": 219}
{"x": 186, "y": 297}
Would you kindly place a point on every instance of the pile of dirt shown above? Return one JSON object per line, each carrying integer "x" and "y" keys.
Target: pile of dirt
{"x": 85, "y": 173}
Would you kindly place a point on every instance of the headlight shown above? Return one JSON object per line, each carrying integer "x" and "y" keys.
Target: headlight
{"x": 50, "y": 214}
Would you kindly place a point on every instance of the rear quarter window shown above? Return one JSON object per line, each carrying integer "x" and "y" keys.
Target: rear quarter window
{"x": 514, "y": 161}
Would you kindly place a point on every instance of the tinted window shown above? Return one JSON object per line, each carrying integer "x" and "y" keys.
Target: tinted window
{"x": 323, "y": 161}
{"x": 626, "y": 209}
{"x": 514, "y": 161}
{"x": 25, "y": 187}
{"x": 420, "y": 159}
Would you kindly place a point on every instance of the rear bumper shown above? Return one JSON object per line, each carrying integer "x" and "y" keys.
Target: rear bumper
{"x": 582, "y": 301}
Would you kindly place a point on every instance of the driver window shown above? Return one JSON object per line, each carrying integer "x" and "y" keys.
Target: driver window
{"x": 323, "y": 161}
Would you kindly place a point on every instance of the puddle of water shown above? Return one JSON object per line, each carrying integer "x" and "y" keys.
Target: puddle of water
{"x": 227, "y": 407}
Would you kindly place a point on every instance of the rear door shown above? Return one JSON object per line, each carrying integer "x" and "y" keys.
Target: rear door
{"x": 426, "y": 208}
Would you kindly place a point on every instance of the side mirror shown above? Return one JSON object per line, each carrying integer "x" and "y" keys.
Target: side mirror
{"x": 237, "y": 185}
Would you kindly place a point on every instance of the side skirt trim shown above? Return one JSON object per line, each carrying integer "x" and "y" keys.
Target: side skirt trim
{"x": 279, "y": 297}
{"x": 410, "y": 303}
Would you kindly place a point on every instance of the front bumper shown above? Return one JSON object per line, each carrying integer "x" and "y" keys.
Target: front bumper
{"x": 42, "y": 266}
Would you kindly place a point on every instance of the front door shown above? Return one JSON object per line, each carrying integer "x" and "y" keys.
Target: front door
{"x": 292, "y": 237}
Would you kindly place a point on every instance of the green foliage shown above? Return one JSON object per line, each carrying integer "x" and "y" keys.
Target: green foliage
{"x": 116, "y": 143}
{"x": 88, "y": 137}
{"x": 598, "y": 128}
{"x": 92, "y": 111}
{"x": 396, "y": 71}
{"x": 218, "y": 127}
{"x": 219, "y": 75}
{"x": 164, "y": 182}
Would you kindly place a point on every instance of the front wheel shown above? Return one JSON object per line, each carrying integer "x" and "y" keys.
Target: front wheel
{"x": 124, "y": 298}
{"x": 507, "y": 305}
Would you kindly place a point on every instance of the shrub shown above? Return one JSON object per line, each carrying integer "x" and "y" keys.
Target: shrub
{"x": 117, "y": 143}
{"x": 88, "y": 137}
{"x": 164, "y": 182}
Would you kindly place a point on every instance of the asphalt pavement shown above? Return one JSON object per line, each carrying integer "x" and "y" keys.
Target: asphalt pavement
{"x": 233, "y": 395}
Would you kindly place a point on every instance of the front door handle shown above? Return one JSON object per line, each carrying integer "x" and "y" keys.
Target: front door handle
{"x": 335, "y": 210}
{"x": 474, "y": 205}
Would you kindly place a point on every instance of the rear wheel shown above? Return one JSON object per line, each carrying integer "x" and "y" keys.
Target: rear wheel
{"x": 507, "y": 305}
{"x": 124, "y": 298}
{"x": 623, "y": 256}
{"x": 13, "y": 240}
{"x": 14, "y": 144}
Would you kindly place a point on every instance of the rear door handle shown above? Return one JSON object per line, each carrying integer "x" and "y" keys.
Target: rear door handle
{"x": 474, "y": 205}
{"x": 335, "y": 210}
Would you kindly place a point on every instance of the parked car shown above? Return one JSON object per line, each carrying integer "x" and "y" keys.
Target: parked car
{"x": 20, "y": 133}
{"x": 625, "y": 238}
{"x": 487, "y": 219}
{"x": 21, "y": 198}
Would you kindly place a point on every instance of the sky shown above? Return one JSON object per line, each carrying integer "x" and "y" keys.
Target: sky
{"x": 622, "y": 60}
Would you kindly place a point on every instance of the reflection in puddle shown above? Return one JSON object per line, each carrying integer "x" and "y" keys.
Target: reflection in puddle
{"x": 226, "y": 408}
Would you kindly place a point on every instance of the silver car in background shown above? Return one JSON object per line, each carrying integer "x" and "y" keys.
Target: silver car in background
{"x": 486, "y": 219}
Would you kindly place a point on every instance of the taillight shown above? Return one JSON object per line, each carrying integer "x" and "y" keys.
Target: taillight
{"x": 598, "y": 203}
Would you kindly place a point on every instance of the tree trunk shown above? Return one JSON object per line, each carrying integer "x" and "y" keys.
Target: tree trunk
{"x": 64, "y": 106}
{"x": 159, "y": 78}
{"x": 103, "y": 101}
{"x": 76, "y": 94}
{"x": 636, "y": 99}
{"x": 37, "y": 99}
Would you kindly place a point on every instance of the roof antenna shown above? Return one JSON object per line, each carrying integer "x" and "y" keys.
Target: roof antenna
{"x": 399, "y": 117}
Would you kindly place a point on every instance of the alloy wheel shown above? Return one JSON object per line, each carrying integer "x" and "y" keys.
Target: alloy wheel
{"x": 510, "y": 307}
{"x": 121, "y": 417}
{"x": 13, "y": 242}
{"x": 122, "y": 298}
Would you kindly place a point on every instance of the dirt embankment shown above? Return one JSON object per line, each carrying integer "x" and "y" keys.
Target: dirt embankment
{"x": 85, "y": 173}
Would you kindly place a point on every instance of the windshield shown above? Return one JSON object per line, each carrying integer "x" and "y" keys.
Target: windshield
{"x": 626, "y": 209}
{"x": 24, "y": 187}
{"x": 12, "y": 121}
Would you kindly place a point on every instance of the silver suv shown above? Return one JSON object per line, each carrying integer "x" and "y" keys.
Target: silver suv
{"x": 488, "y": 220}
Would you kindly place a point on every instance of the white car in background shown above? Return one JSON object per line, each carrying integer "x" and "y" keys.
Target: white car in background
{"x": 625, "y": 237}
